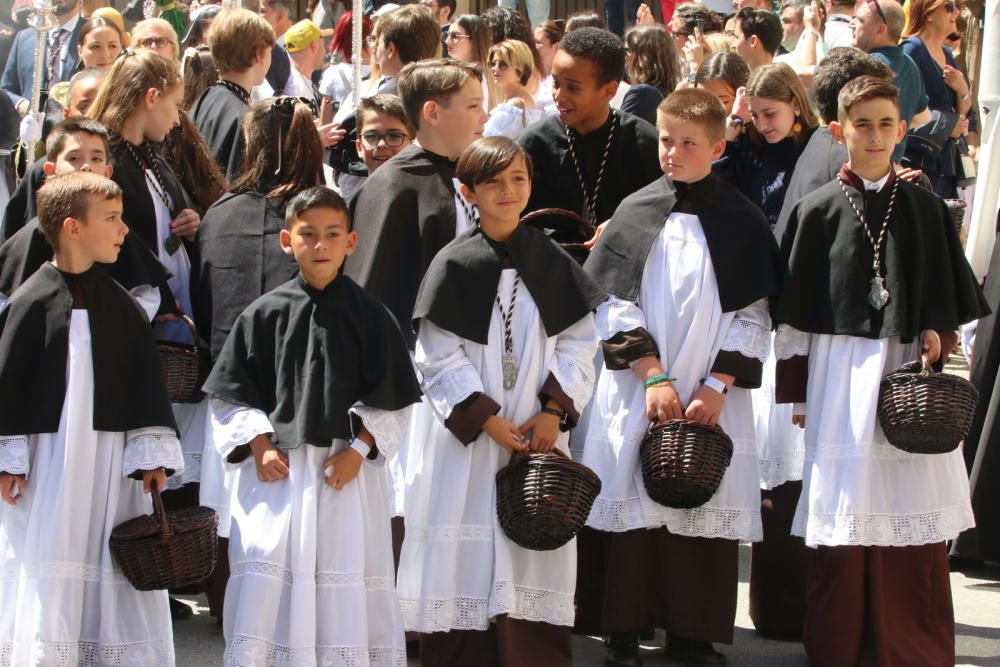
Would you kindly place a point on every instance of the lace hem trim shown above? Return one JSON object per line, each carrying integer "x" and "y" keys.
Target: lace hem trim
{"x": 15, "y": 456}
{"x": 749, "y": 339}
{"x": 90, "y": 654}
{"x": 884, "y": 530}
{"x": 477, "y": 533}
{"x": 152, "y": 448}
{"x": 234, "y": 426}
{"x": 777, "y": 470}
{"x": 386, "y": 426}
{"x": 276, "y": 571}
{"x": 468, "y": 613}
{"x": 249, "y": 651}
{"x": 616, "y": 316}
{"x": 618, "y": 516}
{"x": 65, "y": 570}
{"x": 192, "y": 471}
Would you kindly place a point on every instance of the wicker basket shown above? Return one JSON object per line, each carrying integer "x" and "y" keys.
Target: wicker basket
{"x": 683, "y": 462}
{"x": 543, "y": 500}
{"x": 566, "y": 228}
{"x": 925, "y": 412}
{"x": 184, "y": 367}
{"x": 166, "y": 549}
{"x": 956, "y": 211}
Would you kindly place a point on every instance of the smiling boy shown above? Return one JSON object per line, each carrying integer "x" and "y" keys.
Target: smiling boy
{"x": 877, "y": 279}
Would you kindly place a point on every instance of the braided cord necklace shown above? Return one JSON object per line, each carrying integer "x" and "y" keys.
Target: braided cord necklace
{"x": 590, "y": 199}
{"x": 236, "y": 89}
{"x": 878, "y": 295}
{"x": 171, "y": 244}
{"x": 508, "y": 363}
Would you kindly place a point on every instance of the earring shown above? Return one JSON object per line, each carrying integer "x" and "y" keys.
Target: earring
{"x": 798, "y": 126}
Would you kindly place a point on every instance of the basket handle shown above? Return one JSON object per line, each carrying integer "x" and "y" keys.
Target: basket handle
{"x": 159, "y": 513}
{"x": 191, "y": 327}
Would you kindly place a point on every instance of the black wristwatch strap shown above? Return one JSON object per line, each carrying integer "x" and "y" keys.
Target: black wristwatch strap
{"x": 562, "y": 414}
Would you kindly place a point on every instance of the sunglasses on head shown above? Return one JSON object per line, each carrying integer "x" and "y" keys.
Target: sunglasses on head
{"x": 950, "y": 6}
{"x": 874, "y": 6}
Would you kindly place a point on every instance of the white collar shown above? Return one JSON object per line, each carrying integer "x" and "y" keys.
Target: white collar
{"x": 875, "y": 186}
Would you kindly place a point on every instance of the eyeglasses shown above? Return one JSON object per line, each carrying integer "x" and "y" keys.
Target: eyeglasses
{"x": 454, "y": 36}
{"x": 874, "y": 6}
{"x": 950, "y": 6}
{"x": 392, "y": 138}
{"x": 153, "y": 42}
{"x": 501, "y": 65}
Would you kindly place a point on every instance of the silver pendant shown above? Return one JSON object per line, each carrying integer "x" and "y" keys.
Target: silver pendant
{"x": 509, "y": 365}
{"x": 172, "y": 244}
{"x": 878, "y": 295}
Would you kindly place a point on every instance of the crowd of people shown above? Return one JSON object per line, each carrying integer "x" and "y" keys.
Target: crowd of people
{"x": 742, "y": 217}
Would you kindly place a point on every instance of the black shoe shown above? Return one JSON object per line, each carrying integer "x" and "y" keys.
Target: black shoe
{"x": 692, "y": 652}
{"x": 623, "y": 649}
{"x": 180, "y": 611}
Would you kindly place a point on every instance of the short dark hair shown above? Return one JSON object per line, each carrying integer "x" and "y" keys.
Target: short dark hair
{"x": 451, "y": 5}
{"x": 763, "y": 23}
{"x": 584, "y": 19}
{"x": 697, "y": 106}
{"x": 68, "y": 196}
{"x": 696, "y": 15}
{"x": 432, "y": 80}
{"x": 382, "y": 103}
{"x": 838, "y": 67}
{"x": 412, "y": 30}
{"x": 485, "y": 158}
{"x": 318, "y": 196}
{"x": 56, "y": 143}
{"x": 601, "y": 47}
{"x": 724, "y": 66}
{"x": 863, "y": 89}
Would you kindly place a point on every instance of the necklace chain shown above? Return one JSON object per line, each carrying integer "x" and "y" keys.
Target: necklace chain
{"x": 507, "y": 317}
{"x": 590, "y": 199}
{"x": 239, "y": 90}
{"x": 161, "y": 190}
{"x": 876, "y": 244}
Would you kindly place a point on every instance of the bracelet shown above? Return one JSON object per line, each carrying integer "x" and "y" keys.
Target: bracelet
{"x": 968, "y": 95}
{"x": 662, "y": 378}
{"x": 361, "y": 447}
{"x": 562, "y": 414}
{"x": 715, "y": 384}
{"x": 735, "y": 120}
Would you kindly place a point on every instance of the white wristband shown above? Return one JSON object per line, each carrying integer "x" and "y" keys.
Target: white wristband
{"x": 715, "y": 384}
{"x": 360, "y": 447}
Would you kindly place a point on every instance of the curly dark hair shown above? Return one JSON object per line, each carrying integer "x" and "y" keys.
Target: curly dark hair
{"x": 506, "y": 23}
{"x": 601, "y": 47}
{"x": 696, "y": 15}
{"x": 838, "y": 67}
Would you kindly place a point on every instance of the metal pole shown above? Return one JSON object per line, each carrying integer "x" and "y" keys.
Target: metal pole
{"x": 42, "y": 19}
{"x": 357, "y": 46}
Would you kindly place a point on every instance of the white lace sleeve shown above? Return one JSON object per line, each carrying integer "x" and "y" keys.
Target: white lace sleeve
{"x": 386, "y": 426}
{"x": 148, "y": 298}
{"x": 233, "y": 426}
{"x": 790, "y": 342}
{"x": 15, "y": 456}
{"x": 448, "y": 376}
{"x": 152, "y": 448}
{"x": 573, "y": 365}
{"x": 616, "y": 316}
{"x": 750, "y": 332}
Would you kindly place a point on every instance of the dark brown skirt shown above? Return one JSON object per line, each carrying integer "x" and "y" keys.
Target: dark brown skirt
{"x": 879, "y": 606}
{"x": 644, "y": 579}
{"x": 778, "y": 567}
{"x": 509, "y": 642}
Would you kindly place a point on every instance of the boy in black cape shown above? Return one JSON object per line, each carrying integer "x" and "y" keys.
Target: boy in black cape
{"x": 690, "y": 264}
{"x": 312, "y": 390}
{"x": 85, "y": 415}
{"x": 877, "y": 279}
{"x": 589, "y": 157}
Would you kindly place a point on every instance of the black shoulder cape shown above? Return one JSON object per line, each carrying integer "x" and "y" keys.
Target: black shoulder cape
{"x": 138, "y": 210}
{"x": 460, "y": 287}
{"x": 819, "y": 163}
{"x": 744, "y": 254}
{"x": 404, "y": 214}
{"x": 27, "y": 250}
{"x": 930, "y": 283}
{"x": 239, "y": 259}
{"x": 21, "y": 207}
{"x": 218, "y": 115}
{"x": 129, "y": 389}
{"x": 305, "y": 357}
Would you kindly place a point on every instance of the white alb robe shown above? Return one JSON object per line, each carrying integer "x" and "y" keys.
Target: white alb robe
{"x": 458, "y": 570}
{"x": 679, "y": 306}
{"x": 64, "y": 602}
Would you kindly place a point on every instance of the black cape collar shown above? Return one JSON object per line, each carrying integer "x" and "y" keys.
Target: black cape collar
{"x": 129, "y": 388}
{"x": 460, "y": 287}
{"x": 744, "y": 254}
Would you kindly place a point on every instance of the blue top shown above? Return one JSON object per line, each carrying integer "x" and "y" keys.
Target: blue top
{"x": 912, "y": 94}
{"x": 761, "y": 171}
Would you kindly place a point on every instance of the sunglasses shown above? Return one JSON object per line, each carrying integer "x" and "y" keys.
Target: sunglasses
{"x": 501, "y": 65}
{"x": 392, "y": 138}
{"x": 454, "y": 36}
{"x": 950, "y": 6}
{"x": 874, "y": 6}
{"x": 153, "y": 42}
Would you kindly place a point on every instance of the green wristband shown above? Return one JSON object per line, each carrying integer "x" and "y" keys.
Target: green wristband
{"x": 662, "y": 378}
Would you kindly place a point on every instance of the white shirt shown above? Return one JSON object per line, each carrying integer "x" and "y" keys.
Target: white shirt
{"x": 69, "y": 26}
{"x": 299, "y": 85}
{"x": 838, "y": 31}
{"x": 875, "y": 186}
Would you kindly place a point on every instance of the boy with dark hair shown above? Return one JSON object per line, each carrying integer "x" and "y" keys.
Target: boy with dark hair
{"x": 85, "y": 417}
{"x": 682, "y": 339}
{"x": 877, "y": 278}
{"x": 289, "y": 433}
{"x": 589, "y": 157}
{"x": 758, "y": 36}
{"x": 241, "y": 43}
{"x": 383, "y": 131}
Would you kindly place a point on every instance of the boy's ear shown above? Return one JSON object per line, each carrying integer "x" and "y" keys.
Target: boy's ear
{"x": 718, "y": 149}
{"x": 108, "y": 170}
{"x": 358, "y": 146}
{"x": 754, "y": 40}
{"x": 837, "y": 130}
{"x": 467, "y": 192}
{"x": 352, "y": 242}
{"x": 901, "y": 131}
{"x": 429, "y": 112}
{"x": 49, "y": 168}
{"x": 72, "y": 228}
{"x": 285, "y": 239}
{"x": 609, "y": 90}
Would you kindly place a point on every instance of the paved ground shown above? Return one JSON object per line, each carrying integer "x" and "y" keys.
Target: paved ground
{"x": 977, "y": 612}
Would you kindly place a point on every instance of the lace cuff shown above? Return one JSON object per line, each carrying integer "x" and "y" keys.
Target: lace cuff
{"x": 750, "y": 332}
{"x": 147, "y": 297}
{"x": 447, "y": 389}
{"x": 386, "y": 426}
{"x": 790, "y": 342}
{"x": 149, "y": 449}
{"x": 15, "y": 456}
{"x": 617, "y": 316}
{"x": 233, "y": 427}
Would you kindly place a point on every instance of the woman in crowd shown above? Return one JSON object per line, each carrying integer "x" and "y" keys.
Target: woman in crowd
{"x": 338, "y": 79}
{"x": 468, "y": 40}
{"x": 511, "y": 68}
{"x": 722, "y": 75}
{"x": 547, "y": 37}
{"x": 201, "y": 26}
{"x": 651, "y": 66}
{"x": 99, "y": 44}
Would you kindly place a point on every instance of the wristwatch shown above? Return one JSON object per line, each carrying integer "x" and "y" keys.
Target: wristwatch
{"x": 562, "y": 414}
{"x": 715, "y": 384}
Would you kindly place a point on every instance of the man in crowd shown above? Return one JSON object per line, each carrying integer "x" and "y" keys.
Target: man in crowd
{"x": 58, "y": 62}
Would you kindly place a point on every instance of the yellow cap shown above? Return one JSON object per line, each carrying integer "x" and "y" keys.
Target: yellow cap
{"x": 301, "y": 35}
